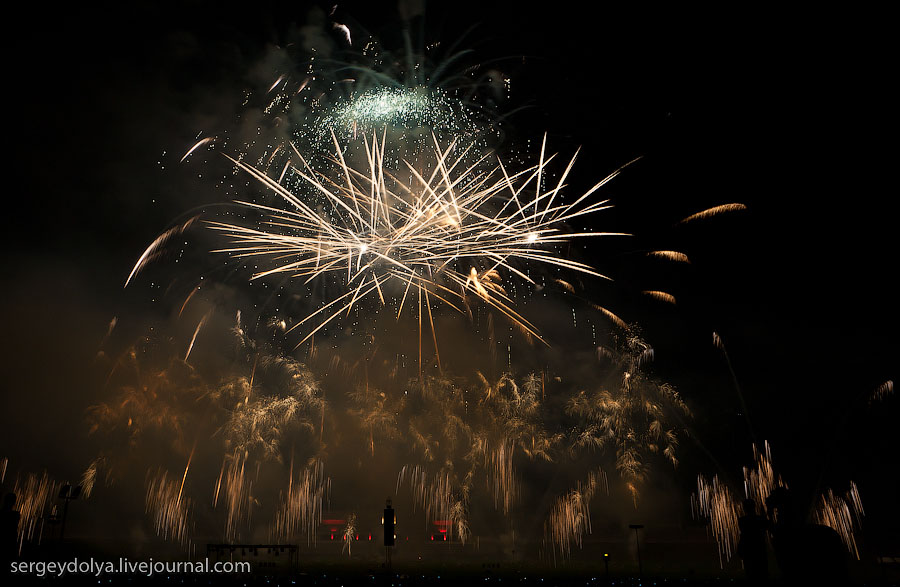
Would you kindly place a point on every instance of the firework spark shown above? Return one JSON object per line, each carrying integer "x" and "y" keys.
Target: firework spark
{"x": 89, "y": 477}
{"x": 661, "y": 296}
{"x": 154, "y": 250}
{"x": 714, "y": 211}
{"x": 671, "y": 256}
{"x": 202, "y": 142}
{"x": 349, "y": 533}
{"x": 882, "y": 391}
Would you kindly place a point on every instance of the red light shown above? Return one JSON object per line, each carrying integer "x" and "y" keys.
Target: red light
{"x": 432, "y": 537}
{"x": 357, "y": 536}
{"x": 370, "y": 536}
{"x": 445, "y": 537}
{"x": 332, "y": 536}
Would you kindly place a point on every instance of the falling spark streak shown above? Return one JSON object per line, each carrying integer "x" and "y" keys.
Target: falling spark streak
{"x": 419, "y": 234}
{"x": 34, "y": 501}
{"x": 671, "y": 256}
{"x": 345, "y": 30}
{"x": 565, "y": 285}
{"x": 714, "y": 211}
{"x": 842, "y": 514}
{"x": 616, "y": 320}
{"x": 171, "y": 511}
{"x": 187, "y": 299}
{"x": 720, "y": 344}
{"x": 109, "y": 330}
{"x": 882, "y": 391}
{"x": 194, "y": 338}
{"x": 304, "y": 503}
{"x": 278, "y": 81}
{"x": 661, "y": 296}
{"x": 715, "y": 501}
{"x": 89, "y": 477}
{"x": 158, "y": 242}
{"x": 200, "y": 143}
{"x": 570, "y": 518}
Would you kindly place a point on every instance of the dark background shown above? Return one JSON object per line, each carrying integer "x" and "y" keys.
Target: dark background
{"x": 787, "y": 113}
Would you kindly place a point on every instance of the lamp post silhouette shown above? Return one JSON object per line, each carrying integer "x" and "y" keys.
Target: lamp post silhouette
{"x": 389, "y": 521}
{"x": 67, "y": 493}
{"x": 637, "y": 543}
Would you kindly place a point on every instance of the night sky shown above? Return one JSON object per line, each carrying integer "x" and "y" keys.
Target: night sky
{"x": 784, "y": 112}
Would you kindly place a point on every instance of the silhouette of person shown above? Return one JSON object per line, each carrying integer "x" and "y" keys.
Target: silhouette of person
{"x": 9, "y": 530}
{"x": 752, "y": 545}
{"x": 806, "y": 553}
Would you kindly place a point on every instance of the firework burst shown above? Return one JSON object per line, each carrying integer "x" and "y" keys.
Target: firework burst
{"x": 430, "y": 238}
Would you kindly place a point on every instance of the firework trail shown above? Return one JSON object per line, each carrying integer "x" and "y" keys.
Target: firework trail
{"x": 661, "y": 296}
{"x": 671, "y": 256}
{"x": 720, "y": 344}
{"x": 842, "y": 514}
{"x": 109, "y": 331}
{"x": 502, "y": 480}
{"x": 761, "y": 481}
{"x": 169, "y": 508}
{"x": 882, "y": 391}
{"x": 440, "y": 495}
{"x": 715, "y": 502}
{"x": 238, "y": 494}
{"x": 194, "y": 338}
{"x": 714, "y": 211}
{"x": 303, "y": 504}
{"x": 612, "y": 317}
{"x": 199, "y": 144}
{"x": 376, "y": 412}
{"x": 34, "y": 499}
{"x": 154, "y": 250}
{"x": 89, "y": 477}
{"x": 157, "y": 401}
{"x": 570, "y": 517}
